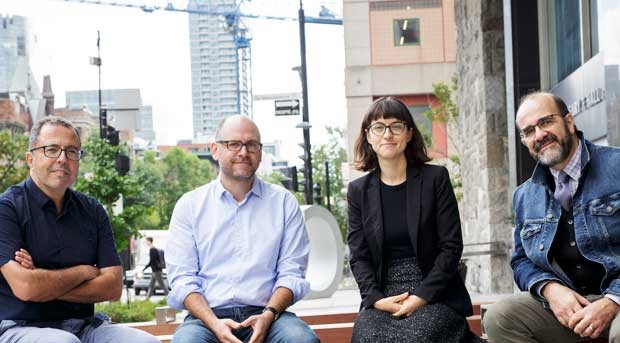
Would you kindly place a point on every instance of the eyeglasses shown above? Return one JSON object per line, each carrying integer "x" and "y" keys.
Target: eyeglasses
{"x": 251, "y": 146}
{"x": 545, "y": 123}
{"x": 54, "y": 151}
{"x": 396, "y": 128}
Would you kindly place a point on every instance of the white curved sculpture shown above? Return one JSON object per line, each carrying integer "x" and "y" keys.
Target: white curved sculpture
{"x": 326, "y": 252}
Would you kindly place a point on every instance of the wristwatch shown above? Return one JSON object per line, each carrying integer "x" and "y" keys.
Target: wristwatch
{"x": 275, "y": 312}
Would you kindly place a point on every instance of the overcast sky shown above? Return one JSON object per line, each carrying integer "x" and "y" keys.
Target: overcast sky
{"x": 150, "y": 51}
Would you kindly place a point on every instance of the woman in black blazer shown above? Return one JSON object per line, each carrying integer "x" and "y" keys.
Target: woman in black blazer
{"x": 404, "y": 236}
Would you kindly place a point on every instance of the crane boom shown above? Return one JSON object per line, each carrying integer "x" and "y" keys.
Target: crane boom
{"x": 324, "y": 17}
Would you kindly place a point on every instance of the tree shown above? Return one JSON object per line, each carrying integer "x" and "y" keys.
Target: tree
{"x": 13, "y": 166}
{"x": 182, "y": 172}
{"x": 149, "y": 174}
{"x": 333, "y": 152}
{"x": 101, "y": 180}
{"x": 447, "y": 112}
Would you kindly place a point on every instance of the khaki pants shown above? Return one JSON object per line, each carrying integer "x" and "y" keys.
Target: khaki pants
{"x": 521, "y": 319}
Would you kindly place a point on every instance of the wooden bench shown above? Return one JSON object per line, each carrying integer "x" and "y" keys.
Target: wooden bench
{"x": 335, "y": 328}
{"x": 330, "y": 328}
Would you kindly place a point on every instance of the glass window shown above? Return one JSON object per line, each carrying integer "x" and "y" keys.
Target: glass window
{"x": 21, "y": 46}
{"x": 406, "y": 32}
{"x": 564, "y": 38}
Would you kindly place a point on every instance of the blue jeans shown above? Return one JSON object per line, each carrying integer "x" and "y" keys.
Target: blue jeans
{"x": 288, "y": 328}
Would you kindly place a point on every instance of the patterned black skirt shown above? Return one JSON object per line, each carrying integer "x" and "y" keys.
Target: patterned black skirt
{"x": 432, "y": 323}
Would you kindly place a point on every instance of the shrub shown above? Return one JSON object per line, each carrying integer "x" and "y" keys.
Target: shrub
{"x": 135, "y": 311}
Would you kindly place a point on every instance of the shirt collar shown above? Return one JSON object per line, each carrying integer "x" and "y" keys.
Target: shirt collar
{"x": 35, "y": 193}
{"x": 257, "y": 187}
{"x": 573, "y": 167}
{"x": 41, "y": 199}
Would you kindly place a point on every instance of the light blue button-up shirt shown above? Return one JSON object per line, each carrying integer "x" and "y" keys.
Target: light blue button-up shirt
{"x": 236, "y": 253}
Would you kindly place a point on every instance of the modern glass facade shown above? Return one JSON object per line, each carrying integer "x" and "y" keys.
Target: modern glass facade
{"x": 13, "y": 47}
{"x": 576, "y": 56}
{"x": 582, "y": 64}
{"x": 145, "y": 124}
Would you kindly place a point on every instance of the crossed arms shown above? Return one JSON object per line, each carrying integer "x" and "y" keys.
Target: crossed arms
{"x": 79, "y": 284}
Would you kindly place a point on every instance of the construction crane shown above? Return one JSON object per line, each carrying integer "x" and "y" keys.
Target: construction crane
{"x": 241, "y": 38}
{"x": 232, "y": 24}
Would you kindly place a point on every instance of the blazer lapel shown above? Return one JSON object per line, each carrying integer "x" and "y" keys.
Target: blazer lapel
{"x": 375, "y": 215}
{"x": 414, "y": 203}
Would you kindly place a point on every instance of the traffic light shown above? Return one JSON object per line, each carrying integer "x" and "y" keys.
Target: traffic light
{"x": 103, "y": 116}
{"x": 307, "y": 172}
{"x": 290, "y": 181}
{"x": 121, "y": 164}
{"x": 111, "y": 135}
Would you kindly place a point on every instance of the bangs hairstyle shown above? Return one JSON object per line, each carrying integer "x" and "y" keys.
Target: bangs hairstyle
{"x": 387, "y": 108}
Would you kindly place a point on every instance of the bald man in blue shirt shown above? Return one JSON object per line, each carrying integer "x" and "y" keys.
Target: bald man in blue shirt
{"x": 240, "y": 250}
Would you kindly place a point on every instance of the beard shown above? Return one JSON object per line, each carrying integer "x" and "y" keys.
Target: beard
{"x": 235, "y": 172}
{"x": 554, "y": 154}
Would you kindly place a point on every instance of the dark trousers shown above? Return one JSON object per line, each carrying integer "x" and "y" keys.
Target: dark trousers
{"x": 156, "y": 276}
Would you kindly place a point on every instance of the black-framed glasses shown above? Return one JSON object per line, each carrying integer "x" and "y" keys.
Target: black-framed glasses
{"x": 545, "y": 123}
{"x": 54, "y": 151}
{"x": 395, "y": 128}
{"x": 250, "y": 146}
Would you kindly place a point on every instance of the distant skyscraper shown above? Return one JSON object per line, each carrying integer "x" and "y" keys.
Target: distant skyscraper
{"x": 17, "y": 83}
{"x": 123, "y": 106}
{"x": 221, "y": 84}
{"x": 145, "y": 124}
{"x": 12, "y": 49}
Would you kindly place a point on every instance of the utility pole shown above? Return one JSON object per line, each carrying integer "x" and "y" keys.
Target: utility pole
{"x": 305, "y": 125}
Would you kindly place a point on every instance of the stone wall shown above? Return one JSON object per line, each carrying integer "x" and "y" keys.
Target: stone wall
{"x": 486, "y": 206}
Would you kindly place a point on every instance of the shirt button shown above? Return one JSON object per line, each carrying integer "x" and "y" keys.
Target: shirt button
{"x": 549, "y": 216}
{"x": 541, "y": 246}
{"x": 572, "y": 243}
{"x": 578, "y": 266}
{"x": 609, "y": 208}
{"x": 570, "y": 221}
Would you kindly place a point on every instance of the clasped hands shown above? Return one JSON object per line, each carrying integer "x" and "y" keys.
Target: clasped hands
{"x": 260, "y": 324}
{"x": 400, "y": 305}
{"x": 585, "y": 318}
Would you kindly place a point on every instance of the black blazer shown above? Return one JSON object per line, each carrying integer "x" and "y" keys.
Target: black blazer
{"x": 434, "y": 229}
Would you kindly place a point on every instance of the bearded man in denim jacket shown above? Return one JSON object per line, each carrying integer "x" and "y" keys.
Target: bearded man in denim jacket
{"x": 567, "y": 235}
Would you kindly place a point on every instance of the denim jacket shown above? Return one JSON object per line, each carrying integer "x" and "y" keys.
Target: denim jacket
{"x": 596, "y": 211}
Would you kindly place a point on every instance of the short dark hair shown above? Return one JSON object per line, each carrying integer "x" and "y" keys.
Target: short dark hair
{"x": 149, "y": 238}
{"x": 388, "y": 107}
{"x": 559, "y": 103}
{"x": 50, "y": 120}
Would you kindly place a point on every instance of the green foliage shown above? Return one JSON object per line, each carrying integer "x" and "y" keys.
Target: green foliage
{"x": 149, "y": 175}
{"x": 101, "y": 180}
{"x": 445, "y": 112}
{"x": 13, "y": 166}
{"x": 181, "y": 173}
{"x": 447, "y": 109}
{"x": 136, "y": 311}
{"x": 163, "y": 181}
{"x": 333, "y": 152}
